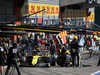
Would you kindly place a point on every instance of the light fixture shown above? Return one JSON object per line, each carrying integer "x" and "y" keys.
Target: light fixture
{"x": 32, "y": 20}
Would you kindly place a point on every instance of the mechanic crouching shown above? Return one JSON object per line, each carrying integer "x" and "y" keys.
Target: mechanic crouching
{"x": 61, "y": 55}
{"x": 12, "y": 57}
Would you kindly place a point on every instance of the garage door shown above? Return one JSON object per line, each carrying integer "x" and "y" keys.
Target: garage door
{"x": 7, "y": 7}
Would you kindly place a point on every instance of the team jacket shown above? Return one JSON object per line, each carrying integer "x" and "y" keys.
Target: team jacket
{"x": 13, "y": 53}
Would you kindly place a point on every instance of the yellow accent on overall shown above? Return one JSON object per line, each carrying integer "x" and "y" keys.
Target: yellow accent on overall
{"x": 1, "y": 39}
{"x": 7, "y": 44}
{"x": 60, "y": 51}
{"x": 75, "y": 37}
{"x": 70, "y": 63}
{"x": 62, "y": 47}
{"x": 49, "y": 55}
{"x": 5, "y": 39}
{"x": 19, "y": 63}
{"x": 67, "y": 52}
{"x": 79, "y": 60}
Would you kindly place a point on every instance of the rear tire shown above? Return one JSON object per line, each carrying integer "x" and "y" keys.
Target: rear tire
{"x": 52, "y": 61}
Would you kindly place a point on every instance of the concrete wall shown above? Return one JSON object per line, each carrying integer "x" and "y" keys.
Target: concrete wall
{"x": 92, "y": 10}
{"x": 70, "y": 2}
{"x": 84, "y": 3}
{"x": 98, "y": 1}
{"x": 51, "y": 2}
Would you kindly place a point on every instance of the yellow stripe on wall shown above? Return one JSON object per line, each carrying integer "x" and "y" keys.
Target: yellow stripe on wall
{"x": 41, "y": 30}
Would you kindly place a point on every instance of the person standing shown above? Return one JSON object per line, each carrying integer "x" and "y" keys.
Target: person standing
{"x": 52, "y": 47}
{"x": 12, "y": 58}
{"x": 52, "y": 53}
{"x": 1, "y": 57}
{"x": 75, "y": 52}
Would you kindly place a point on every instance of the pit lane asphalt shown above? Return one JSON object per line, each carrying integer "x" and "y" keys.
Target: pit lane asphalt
{"x": 57, "y": 70}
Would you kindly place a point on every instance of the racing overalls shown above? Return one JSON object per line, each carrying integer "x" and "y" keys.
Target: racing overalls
{"x": 75, "y": 52}
{"x": 62, "y": 54}
{"x": 52, "y": 49}
{"x": 12, "y": 59}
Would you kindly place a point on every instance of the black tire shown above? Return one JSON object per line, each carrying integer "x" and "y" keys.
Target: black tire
{"x": 52, "y": 61}
{"x": 59, "y": 61}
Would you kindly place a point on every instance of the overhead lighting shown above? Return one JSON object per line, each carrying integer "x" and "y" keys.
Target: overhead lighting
{"x": 24, "y": 21}
{"x": 32, "y": 20}
{"x": 91, "y": 1}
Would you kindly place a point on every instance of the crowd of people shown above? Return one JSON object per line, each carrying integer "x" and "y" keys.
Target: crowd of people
{"x": 66, "y": 52}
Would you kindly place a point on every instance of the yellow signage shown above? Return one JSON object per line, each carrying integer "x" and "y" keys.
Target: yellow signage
{"x": 32, "y": 8}
{"x": 91, "y": 17}
{"x": 74, "y": 13}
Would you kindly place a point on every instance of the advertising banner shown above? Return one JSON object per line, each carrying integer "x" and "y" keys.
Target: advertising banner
{"x": 74, "y": 13}
{"x": 91, "y": 17}
{"x": 32, "y": 8}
